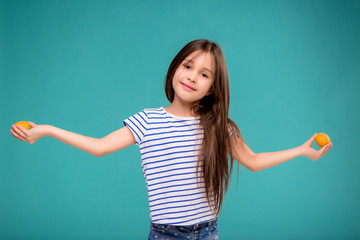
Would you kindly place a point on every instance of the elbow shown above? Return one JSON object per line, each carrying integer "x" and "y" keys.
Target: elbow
{"x": 99, "y": 154}
{"x": 99, "y": 150}
{"x": 253, "y": 166}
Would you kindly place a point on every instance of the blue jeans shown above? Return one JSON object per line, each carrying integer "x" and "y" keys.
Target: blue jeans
{"x": 203, "y": 231}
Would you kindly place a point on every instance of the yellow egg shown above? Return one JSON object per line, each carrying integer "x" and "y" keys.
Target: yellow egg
{"x": 322, "y": 139}
{"x": 23, "y": 124}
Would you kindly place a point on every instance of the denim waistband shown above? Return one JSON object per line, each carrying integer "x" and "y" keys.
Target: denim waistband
{"x": 191, "y": 227}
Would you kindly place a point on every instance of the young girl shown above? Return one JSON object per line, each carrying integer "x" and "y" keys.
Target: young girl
{"x": 185, "y": 147}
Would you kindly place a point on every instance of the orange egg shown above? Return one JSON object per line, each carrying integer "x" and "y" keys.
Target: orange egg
{"x": 23, "y": 124}
{"x": 322, "y": 139}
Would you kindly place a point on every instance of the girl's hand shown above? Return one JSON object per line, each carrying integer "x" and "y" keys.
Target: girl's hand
{"x": 30, "y": 136}
{"x": 311, "y": 153}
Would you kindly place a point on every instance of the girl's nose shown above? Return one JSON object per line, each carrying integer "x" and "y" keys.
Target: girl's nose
{"x": 192, "y": 78}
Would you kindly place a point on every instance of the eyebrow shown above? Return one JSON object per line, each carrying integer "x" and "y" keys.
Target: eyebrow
{"x": 189, "y": 60}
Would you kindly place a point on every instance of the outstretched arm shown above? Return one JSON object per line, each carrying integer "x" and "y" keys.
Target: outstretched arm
{"x": 115, "y": 141}
{"x": 260, "y": 161}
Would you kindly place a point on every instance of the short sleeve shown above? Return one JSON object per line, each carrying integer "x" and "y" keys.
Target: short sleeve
{"x": 138, "y": 125}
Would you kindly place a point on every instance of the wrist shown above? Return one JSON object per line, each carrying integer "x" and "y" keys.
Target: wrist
{"x": 47, "y": 130}
{"x": 300, "y": 151}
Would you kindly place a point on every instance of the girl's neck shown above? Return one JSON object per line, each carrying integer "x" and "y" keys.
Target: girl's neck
{"x": 180, "y": 110}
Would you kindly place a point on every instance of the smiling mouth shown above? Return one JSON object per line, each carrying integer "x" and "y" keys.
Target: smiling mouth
{"x": 188, "y": 87}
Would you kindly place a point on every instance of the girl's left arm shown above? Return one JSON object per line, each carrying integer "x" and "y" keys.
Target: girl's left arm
{"x": 260, "y": 161}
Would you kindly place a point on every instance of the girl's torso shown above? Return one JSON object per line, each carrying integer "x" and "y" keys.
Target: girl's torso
{"x": 169, "y": 147}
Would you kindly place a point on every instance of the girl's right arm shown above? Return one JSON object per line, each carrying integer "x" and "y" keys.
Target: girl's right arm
{"x": 113, "y": 142}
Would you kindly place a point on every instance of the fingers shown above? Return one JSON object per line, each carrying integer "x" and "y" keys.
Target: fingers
{"x": 311, "y": 140}
{"x": 21, "y": 131}
{"x": 17, "y": 135}
{"x": 329, "y": 145}
{"x": 325, "y": 149}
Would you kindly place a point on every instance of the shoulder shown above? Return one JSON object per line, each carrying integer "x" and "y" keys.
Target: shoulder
{"x": 153, "y": 111}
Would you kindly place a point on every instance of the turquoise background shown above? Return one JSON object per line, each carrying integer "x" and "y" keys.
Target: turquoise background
{"x": 84, "y": 66}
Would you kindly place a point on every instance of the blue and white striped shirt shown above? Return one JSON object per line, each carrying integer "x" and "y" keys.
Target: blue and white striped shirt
{"x": 169, "y": 147}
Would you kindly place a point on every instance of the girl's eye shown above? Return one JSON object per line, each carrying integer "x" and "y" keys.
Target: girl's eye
{"x": 188, "y": 67}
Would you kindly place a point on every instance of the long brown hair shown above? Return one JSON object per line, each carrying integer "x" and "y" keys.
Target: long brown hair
{"x": 213, "y": 110}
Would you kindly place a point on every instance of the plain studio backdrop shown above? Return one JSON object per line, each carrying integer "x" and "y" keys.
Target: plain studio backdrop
{"x": 85, "y": 66}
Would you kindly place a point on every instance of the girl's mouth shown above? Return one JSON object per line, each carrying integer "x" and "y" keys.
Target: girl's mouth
{"x": 187, "y": 87}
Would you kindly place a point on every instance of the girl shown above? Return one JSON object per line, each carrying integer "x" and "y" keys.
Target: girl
{"x": 185, "y": 147}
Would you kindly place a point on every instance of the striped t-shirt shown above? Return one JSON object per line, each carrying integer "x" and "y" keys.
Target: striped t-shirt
{"x": 169, "y": 147}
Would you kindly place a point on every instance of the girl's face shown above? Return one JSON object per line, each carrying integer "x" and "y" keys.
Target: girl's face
{"x": 193, "y": 78}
